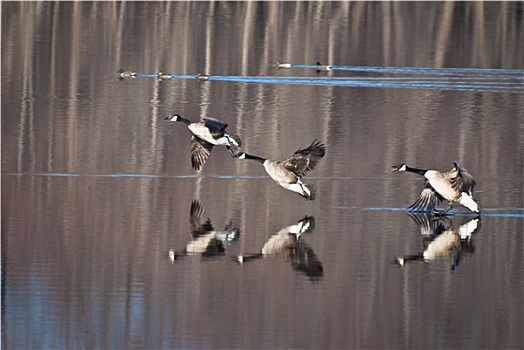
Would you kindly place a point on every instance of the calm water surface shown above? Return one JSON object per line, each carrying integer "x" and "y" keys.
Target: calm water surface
{"x": 97, "y": 250}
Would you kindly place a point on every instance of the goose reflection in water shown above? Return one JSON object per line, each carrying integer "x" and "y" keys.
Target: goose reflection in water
{"x": 288, "y": 242}
{"x": 441, "y": 239}
{"x": 206, "y": 241}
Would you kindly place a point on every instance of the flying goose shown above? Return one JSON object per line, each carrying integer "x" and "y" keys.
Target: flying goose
{"x": 208, "y": 132}
{"x": 454, "y": 186}
{"x": 288, "y": 172}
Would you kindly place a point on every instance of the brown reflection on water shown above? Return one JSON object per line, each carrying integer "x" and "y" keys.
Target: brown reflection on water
{"x": 289, "y": 243}
{"x": 442, "y": 240}
{"x": 97, "y": 187}
{"x": 205, "y": 239}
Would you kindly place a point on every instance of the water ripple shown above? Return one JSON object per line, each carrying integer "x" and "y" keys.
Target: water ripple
{"x": 465, "y": 79}
{"x": 494, "y": 212}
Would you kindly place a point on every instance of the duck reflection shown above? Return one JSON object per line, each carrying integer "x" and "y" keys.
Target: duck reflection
{"x": 441, "y": 239}
{"x": 288, "y": 242}
{"x": 206, "y": 241}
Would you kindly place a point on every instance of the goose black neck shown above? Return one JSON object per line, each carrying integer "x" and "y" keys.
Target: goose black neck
{"x": 255, "y": 158}
{"x": 457, "y": 166}
{"x": 183, "y": 120}
{"x": 415, "y": 170}
{"x": 414, "y": 257}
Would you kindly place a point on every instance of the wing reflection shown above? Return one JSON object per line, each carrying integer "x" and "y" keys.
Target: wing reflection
{"x": 441, "y": 239}
{"x": 288, "y": 242}
{"x": 206, "y": 241}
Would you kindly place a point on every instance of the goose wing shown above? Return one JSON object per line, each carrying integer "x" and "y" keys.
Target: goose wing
{"x": 427, "y": 201}
{"x": 215, "y": 126}
{"x": 303, "y": 259}
{"x": 455, "y": 179}
{"x": 429, "y": 225}
{"x": 196, "y": 213}
{"x": 460, "y": 179}
{"x": 200, "y": 151}
{"x": 304, "y": 160}
{"x": 469, "y": 182}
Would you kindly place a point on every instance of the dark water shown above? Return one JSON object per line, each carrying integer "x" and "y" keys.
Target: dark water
{"x": 97, "y": 186}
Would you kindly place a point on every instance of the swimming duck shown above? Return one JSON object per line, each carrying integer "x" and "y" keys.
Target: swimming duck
{"x": 323, "y": 67}
{"x": 454, "y": 186}
{"x": 288, "y": 172}
{"x": 203, "y": 77}
{"x": 280, "y": 65}
{"x": 164, "y": 76}
{"x": 208, "y": 132}
{"x": 121, "y": 74}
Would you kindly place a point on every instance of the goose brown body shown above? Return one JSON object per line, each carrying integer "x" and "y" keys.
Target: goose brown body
{"x": 288, "y": 243}
{"x": 442, "y": 239}
{"x": 456, "y": 185}
{"x": 207, "y": 132}
{"x": 205, "y": 239}
{"x": 288, "y": 172}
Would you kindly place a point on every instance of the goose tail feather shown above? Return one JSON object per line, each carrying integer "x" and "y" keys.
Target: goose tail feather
{"x": 309, "y": 193}
{"x": 467, "y": 201}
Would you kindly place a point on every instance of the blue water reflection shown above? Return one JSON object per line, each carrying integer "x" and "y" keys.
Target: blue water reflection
{"x": 457, "y": 79}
